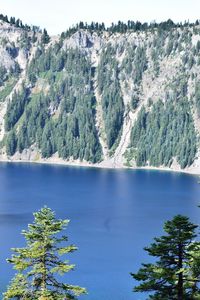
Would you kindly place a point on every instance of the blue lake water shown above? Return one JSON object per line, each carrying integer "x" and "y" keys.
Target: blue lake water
{"x": 113, "y": 213}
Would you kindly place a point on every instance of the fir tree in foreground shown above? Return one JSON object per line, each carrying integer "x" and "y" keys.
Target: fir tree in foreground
{"x": 175, "y": 275}
{"x": 40, "y": 263}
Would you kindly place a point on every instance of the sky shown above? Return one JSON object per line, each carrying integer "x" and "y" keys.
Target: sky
{"x": 58, "y": 15}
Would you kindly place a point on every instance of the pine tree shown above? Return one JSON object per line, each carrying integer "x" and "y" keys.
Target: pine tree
{"x": 170, "y": 276}
{"x": 45, "y": 37}
{"x": 18, "y": 287}
{"x": 39, "y": 263}
{"x": 11, "y": 143}
{"x": 193, "y": 273}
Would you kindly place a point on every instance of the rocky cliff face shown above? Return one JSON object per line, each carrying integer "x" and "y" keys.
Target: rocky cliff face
{"x": 106, "y": 98}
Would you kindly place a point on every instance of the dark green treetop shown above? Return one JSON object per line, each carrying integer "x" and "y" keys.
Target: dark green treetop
{"x": 45, "y": 37}
{"x": 171, "y": 276}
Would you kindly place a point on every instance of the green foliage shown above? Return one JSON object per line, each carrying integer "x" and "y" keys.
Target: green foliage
{"x": 18, "y": 23}
{"x": 134, "y": 102}
{"x": 170, "y": 44}
{"x": 121, "y": 27}
{"x": 155, "y": 58}
{"x": 72, "y": 132}
{"x": 7, "y": 89}
{"x": 129, "y": 154}
{"x": 56, "y": 111}
{"x": 39, "y": 264}
{"x": 170, "y": 276}
{"x": 194, "y": 271}
{"x": 11, "y": 143}
{"x": 25, "y": 41}
{"x": 112, "y": 102}
{"x": 18, "y": 288}
{"x": 45, "y": 37}
{"x": 3, "y": 75}
{"x": 7, "y": 76}
{"x": 135, "y": 63}
{"x": 77, "y": 135}
{"x": 166, "y": 131}
{"x": 16, "y": 108}
{"x": 197, "y": 97}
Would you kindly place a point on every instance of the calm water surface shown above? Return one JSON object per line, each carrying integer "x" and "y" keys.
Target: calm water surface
{"x": 113, "y": 213}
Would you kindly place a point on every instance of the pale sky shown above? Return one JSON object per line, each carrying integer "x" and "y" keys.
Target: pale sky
{"x": 58, "y": 15}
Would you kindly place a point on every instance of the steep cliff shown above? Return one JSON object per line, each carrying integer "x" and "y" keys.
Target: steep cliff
{"x": 110, "y": 98}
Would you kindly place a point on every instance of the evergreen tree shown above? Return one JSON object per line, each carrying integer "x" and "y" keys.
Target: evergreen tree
{"x": 194, "y": 270}
{"x": 39, "y": 263}
{"x": 165, "y": 132}
{"x": 11, "y": 143}
{"x": 16, "y": 107}
{"x": 109, "y": 88}
{"x": 168, "y": 277}
{"x": 45, "y": 37}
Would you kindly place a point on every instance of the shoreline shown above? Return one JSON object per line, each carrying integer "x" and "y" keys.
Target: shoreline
{"x": 85, "y": 164}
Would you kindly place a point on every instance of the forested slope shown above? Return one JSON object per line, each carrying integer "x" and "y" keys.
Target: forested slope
{"x": 127, "y": 95}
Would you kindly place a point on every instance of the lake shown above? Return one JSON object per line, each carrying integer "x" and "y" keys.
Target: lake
{"x": 113, "y": 213}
